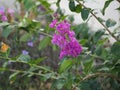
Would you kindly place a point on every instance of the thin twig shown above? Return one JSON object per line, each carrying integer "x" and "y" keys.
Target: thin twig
{"x": 46, "y": 34}
{"x": 118, "y": 1}
{"x": 100, "y": 74}
{"x": 99, "y": 21}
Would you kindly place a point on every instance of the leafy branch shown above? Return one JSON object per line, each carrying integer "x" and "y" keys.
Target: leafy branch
{"x": 99, "y": 21}
{"x": 33, "y": 65}
{"x": 21, "y": 71}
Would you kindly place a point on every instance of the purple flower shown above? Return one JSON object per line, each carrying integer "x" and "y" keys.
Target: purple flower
{"x": 30, "y": 43}
{"x": 41, "y": 37}
{"x": 3, "y": 18}
{"x": 2, "y": 14}
{"x": 63, "y": 27}
{"x": 2, "y": 11}
{"x": 65, "y": 39}
{"x": 72, "y": 48}
{"x": 41, "y": 8}
{"x": 24, "y": 52}
{"x": 53, "y": 23}
{"x": 10, "y": 11}
{"x": 59, "y": 40}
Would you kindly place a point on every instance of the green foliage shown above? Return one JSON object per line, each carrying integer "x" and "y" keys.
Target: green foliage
{"x": 107, "y": 3}
{"x": 72, "y": 5}
{"x": 74, "y": 8}
{"x": 96, "y": 68}
{"x": 7, "y": 30}
{"x": 115, "y": 49}
{"x": 87, "y": 66}
{"x": 4, "y": 24}
{"x": 24, "y": 58}
{"x": 13, "y": 76}
{"x": 58, "y": 84}
{"x": 66, "y": 64}
{"x": 90, "y": 85}
{"x": 78, "y": 8}
{"x": 82, "y": 30}
{"x": 110, "y": 23}
{"x": 85, "y": 13}
{"x": 44, "y": 43}
{"x": 28, "y": 4}
{"x": 25, "y": 37}
{"x": 98, "y": 35}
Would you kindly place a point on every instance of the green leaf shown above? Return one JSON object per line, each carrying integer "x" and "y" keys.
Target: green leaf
{"x": 66, "y": 64}
{"x": 24, "y": 58}
{"x": 116, "y": 68}
{"x": 78, "y": 8}
{"x": 12, "y": 76}
{"x": 115, "y": 49}
{"x": 58, "y": 3}
{"x": 105, "y": 53}
{"x": 6, "y": 31}
{"x": 37, "y": 61}
{"x": 100, "y": 19}
{"x": 45, "y": 4}
{"x": 102, "y": 41}
{"x": 107, "y": 3}
{"x": 30, "y": 72}
{"x": 110, "y": 23}
{"x": 98, "y": 35}
{"x": 28, "y": 4}
{"x": 3, "y": 69}
{"x": 25, "y": 37}
{"x": 5, "y": 64}
{"x": 82, "y": 30}
{"x": 90, "y": 84}
{"x": 114, "y": 84}
{"x": 44, "y": 42}
{"x": 85, "y": 13}
{"x": 72, "y": 5}
{"x": 71, "y": 18}
{"x": 83, "y": 41}
{"x": 87, "y": 66}
{"x": 63, "y": 17}
{"x": 47, "y": 76}
{"x": 98, "y": 50}
{"x": 57, "y": 84}
{"x": 4, "y": 24}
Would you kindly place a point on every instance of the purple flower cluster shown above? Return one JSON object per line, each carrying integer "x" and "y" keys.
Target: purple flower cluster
{"x": 65, "y": 39}
{"x": 3, "y": 16}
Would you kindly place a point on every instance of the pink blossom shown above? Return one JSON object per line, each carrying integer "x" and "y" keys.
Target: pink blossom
{"x": 53, "y": 23}
{"x": 59, "y": 40}
{"x": 10, "y": 11}
{"x": 3, "y": 18}
{"x": 63, "y": 27}
{"x": 65, "y": 39}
